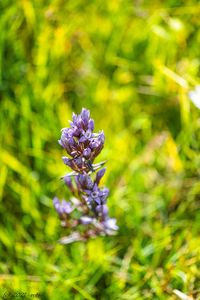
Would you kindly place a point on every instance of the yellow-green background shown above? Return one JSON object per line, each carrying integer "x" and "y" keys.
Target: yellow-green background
{"x": 132, "y": 63}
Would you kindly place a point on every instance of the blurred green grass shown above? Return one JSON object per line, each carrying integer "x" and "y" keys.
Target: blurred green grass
{"x": 132, "y": 64}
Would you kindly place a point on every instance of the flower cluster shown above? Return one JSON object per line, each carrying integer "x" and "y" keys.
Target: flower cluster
{"x": 86, "y": 213}
{"x": 80, "y": 142}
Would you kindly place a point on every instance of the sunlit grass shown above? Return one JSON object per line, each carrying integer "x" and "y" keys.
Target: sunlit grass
{"x": 132, "y": 64}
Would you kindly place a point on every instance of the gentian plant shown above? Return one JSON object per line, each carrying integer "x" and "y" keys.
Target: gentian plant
{"x": 86, "y": 214}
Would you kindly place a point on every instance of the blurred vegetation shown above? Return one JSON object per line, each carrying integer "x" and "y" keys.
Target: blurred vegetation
{"x": 132, "y": 63}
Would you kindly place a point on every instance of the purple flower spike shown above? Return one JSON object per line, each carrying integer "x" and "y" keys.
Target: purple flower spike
{"x": 80, "y": 142}
{"x": 86, "y": 214}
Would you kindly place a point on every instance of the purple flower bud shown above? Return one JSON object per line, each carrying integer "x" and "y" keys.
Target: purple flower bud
{"x": 101, "y": 137}
{"x": 66, "y": 207}
{"x": 85, "y": 115}
{"x": 68, "y": 181}
{"x": 82, "y": 139}
{"x": 66, "y": 160}
{"x": 86, "y": 220}
{"x": 67, "y": 132}
{"x": 99, "y": 175}
{"x": 87, "y": 153}
{"x": 75, "y": 131}
{"x": 104, "y": 193}
{"x": 60, "y": 143}
{"x": 74, "y": 117}
{"x": 78, "y": 163}
{"x": 102, "y": 210}
{"x": 67, "y": 143}
{"x": 57, "y": 205}
{"x": 86, "y": 136}
{"x": 96, "y": 199}
{"x": 91, "y": 125}
{"x": 84, "y": 182}
{"x": 62, "y": 208}
{"x": 110, "y": 224}
{"x": 94, "y": 144}
{"x": 79, "y": 122}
